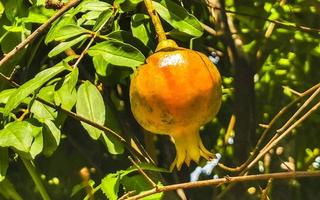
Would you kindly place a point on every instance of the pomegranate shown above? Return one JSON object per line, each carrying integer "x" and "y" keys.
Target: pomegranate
{"x": 174, "y": 93}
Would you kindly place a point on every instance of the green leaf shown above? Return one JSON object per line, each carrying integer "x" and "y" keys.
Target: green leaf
{"x": 38, "y": 15}
{"x": 77, "y": 189}
{"x": 100, "y": 64}
{"x": 37, "y": 146}
{"x": 14, "y": 8}
{"x": 8, "y": 42}
{"x": 42, "y": 112}
{"x": 127, "y": 5}
{"x": 178, "y": 17}
{"x": 118, "y": 53}
{"x": 29, "y": 87}
{"x": 65, "y": 98}
{"x": 40, "y": 2}
{"x": 51, "y": 137}
{"x": 18, "y": 134}
{"x": 73, "y": 79}
{"x": 103, "y": 19}
{"x": 4, "y": 163}
{"x": 126, "y": 37}
{"x": 16, "y": 29}
{"x": 66, "y": 95}
{"x": 66, "y": 45}
{"x": 5, "y": 95}
{"x": 65, "y": 20}
{"x": 89, "y": 16}
{"x": 92, "y": 5}
{"x": 116, "y": 74}
{"x": 113, "y": 145}
{"x": 69, "y": 31}
{"x": 90, "y": 105}
{"x": 139, "y": 184}
{"x": 141, "y": 28}
{"x": 110, "y": 186}
{"x": 1, "y": 9}
{"x": 176, "y": 34}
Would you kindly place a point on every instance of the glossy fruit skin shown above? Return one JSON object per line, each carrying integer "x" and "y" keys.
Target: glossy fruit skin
{"x": 175, "y": 92}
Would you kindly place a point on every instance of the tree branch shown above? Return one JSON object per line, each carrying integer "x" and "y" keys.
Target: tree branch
{"x": 268, "y": 128}
{"x": 39, "y": 30}
{"x": 284, "y": 134}
{"x": 235, "y": 179}
{"x": 285, "y": 24}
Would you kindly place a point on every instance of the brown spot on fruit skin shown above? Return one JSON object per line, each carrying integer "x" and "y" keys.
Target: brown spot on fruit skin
{"x": 174, "y": 93}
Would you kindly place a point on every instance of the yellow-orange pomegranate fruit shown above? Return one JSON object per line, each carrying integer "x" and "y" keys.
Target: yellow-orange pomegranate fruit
{"x": 174, "y": 93}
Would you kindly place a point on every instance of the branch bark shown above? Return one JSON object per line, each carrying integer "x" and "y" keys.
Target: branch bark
{"x": 36, "y": 33}
{"x": 258, "y": 177}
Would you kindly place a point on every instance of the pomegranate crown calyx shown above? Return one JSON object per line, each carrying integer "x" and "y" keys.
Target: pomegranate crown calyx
{"x": 166, "y": 44}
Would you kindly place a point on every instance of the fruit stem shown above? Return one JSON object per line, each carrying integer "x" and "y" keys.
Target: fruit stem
{"x": 155, "y": 20}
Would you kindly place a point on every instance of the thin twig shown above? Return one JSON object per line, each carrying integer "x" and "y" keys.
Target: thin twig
{"x": 284, "y": 134}
{"x": 14, "y": 71}
{"x": 264, "y": 195}
{"x": 292, "y": 90}
{"x": 230, "y": 128}
{"x": 244, "y": 167}
{"x": 14, "y": 84}
{"x": 268, "y": 128}
{"x": 285, "y": 24}
{"x": 293, "y": 117}
{"x": 153, "y": 184}
{"x": 126, "y": 195}
{"x": 209, "y": 29}
{"x": 306, "y": 103}
{"x": 258, "y": 177}
{"x": 39, "y": 30}
{"x": 92, "y": 40}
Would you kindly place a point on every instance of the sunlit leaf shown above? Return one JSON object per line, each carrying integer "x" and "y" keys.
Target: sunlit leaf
{"x": 140, "y": 27}
{"x": 100, "y": 64}
{"x": 118, "y": 53}
{"x": 139, "y": 184}
{"x": 66, "y": 45}
{"x": 36, "y": 146}
{"x": 51, "y": 137}
{"x": 69, "y": 31}
{"x": 103, "y": 19}
{"x": 18, "y": 135}
{"x": 127, "y": 5}
{"x": 127, "y": 38}
{"x": 90, "y": 104}
{"x": 113, "y": 145}
{"x": 92, "y": 5}
{"x": 57, "y": 25}
{"x": 1, "y": 9}
{"x": 29, "y": 87}
{"x": 110, "y": 186}
{"x": 178, "y": 17}
{"x": 5, "y": 95}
